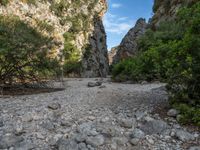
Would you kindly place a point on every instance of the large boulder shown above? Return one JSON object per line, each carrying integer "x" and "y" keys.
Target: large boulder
{"x": 9, "y": 140}
{"x": 152, "y": 126}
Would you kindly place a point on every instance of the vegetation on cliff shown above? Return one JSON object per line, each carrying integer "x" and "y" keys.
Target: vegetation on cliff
{"x": 23, "y": 52}
{"x": 171, "y": 54}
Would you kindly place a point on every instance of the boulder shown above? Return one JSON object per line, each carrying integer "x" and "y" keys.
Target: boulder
{"x": 153, "y": 126}
{"x": 194, "y": 148}
{"x": 120, "y": 140}
{"x": 172, "y": 113}
{"x": 184, "y": 135}
{"x": 95, "y": 141}
{"x": 137, "y": 133}
{"x": 67, "y": 144}
{"x": 9, "y": 140}
{"x": 134, "y": 141}
{"x": 126, "y": 123}
{"x": 94, "y": 84}
{"x": 54, "y": 106}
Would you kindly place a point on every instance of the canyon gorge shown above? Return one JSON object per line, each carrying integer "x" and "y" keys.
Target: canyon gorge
{"x": 82, "y": 105}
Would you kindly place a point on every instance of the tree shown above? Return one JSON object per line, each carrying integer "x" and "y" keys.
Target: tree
{"x": 23, "y": 52}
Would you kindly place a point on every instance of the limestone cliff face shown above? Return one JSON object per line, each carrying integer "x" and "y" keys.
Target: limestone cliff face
{"x": 70, "y": 23}
{"x": 128, "y": 46}
{"x": 165, "y": 10}
{"x": 112, "y": 54}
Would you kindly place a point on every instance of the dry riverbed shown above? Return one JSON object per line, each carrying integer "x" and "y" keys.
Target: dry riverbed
{"x": 111, "y": 116}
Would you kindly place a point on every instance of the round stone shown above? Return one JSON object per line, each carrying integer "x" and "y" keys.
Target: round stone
{"x": 172, "y": 113}
{"x": 95, "y": 140}
{"x": 134, "y": 141}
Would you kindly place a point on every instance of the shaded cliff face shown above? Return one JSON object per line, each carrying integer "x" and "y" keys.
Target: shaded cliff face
{"x": 128, "y": 46}
{"x": 166, "y": 10}
{"x": 95, "y": 61}
{"x": 71, "y": 25}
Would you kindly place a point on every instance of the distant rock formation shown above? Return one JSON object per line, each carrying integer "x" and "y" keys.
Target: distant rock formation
{"x": 128, "y": 46}
{"x": 111, "y": 54}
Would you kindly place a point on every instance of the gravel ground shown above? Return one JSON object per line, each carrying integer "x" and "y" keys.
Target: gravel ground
{"x": 111, "y": 116}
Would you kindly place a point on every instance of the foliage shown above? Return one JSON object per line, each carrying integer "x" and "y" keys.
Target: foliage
{"x": 29, "y": 1}
{"x": 72, "y": 67}
{"x": 188, "y": 113}
{"x": 43, "y": 25}
{"x": 170, "y": 54}
{"x": 59, "y": 7}
{"x": 158, "y": 3}
{"x": 71, "y": 55}
{"x": 152, "y": 62}
{"x": 87, "y": 53}
{"x": 70, "y": 51}
{"x": 23, "y": 56}
{"x": 4, "y": 2}
{"x": 79, "y": 23}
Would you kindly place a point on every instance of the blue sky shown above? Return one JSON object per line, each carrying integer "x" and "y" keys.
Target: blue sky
{"x": 122, "y": 15}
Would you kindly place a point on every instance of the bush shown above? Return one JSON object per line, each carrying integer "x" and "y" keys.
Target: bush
{"x": 4, "y": 2}
{"x": 30, "y": 1}
{"x": 188, "y": 114}
{"x": 23, "y": 56}
{"x": 44, "y": 26}
{"x": 72, "y": 67}
{"x": 71, "y": 55}
{"x": 59, "y": 7}
{"x": 88, "y": 49}
{"x": 156, "y": 5}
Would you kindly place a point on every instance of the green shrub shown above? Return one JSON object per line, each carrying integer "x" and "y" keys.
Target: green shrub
{"x": 23, "y": 56}
{"x": 188, "y": 114}
{"x": 71, "y": 54}
{"x": 59, "y": 7}
{"x": 88, "y": 49}
{"x": 43, "y": 25}
{"x": 72, "y": 67}
{"x": 157, "y": 3}
{"x": 4, "y": 2}
{"x": 31, "y": 2}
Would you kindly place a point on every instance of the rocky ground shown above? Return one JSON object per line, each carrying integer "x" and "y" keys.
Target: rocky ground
{"x": 111, "y": 116}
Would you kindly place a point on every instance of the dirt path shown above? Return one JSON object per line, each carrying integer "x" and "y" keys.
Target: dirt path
{"x": 112, "y": 116}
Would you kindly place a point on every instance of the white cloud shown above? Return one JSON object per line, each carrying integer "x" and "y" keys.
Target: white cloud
{"x": 123, "y": 18}
{"x": 116, "y": 5}
{"x": 117, "y": 25}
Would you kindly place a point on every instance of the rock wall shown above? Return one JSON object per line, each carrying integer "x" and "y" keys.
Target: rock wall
{"x": 166, "y": 10}
{"x": 95, "y": 63}
{"x": 128, "y": 46}
{"x": 79, "y": 20}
